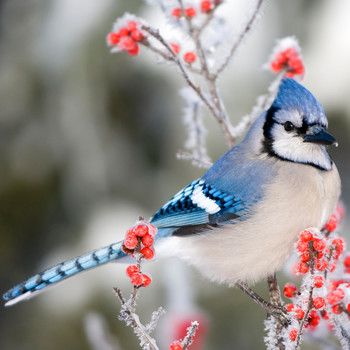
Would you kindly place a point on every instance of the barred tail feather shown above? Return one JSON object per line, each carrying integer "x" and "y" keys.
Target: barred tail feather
{"x": 60, "y": 272}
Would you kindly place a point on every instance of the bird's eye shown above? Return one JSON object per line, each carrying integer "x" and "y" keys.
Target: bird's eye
{"x": 289, "y": 126}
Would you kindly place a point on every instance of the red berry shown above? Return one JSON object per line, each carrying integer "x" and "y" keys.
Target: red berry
{"x": 306, "y": 236}
{"x": 302, "y": 268}
{"x": 314, "y": 318}
{"x": 318, "y": 244}
{"x": 289, "y": 290}
{"x": 332, "y": 267}
{"x": 302, "y": 246}
{"x": 127, "y": 251}
{"x": 126, "y": 43}
{"x": 293, "y": 334}
{"x": 338, "y": 244}
{"x": 176, "y": 48}
{"x": 335, "y": 296}
{"x": 175, "y": 345}
{"x": 132, "y": 269}
{"x": 190, "y": 12}
{"x": 113, "y": 39}
{"x": 152, "y": 230}
{"x": 140, "y": 230}
{"x": 348, "y": 307}
{"x": 176, "y": 12}
{"x": 337, "y": 309}
{"x": 132, "y": 25}
{"x": 321, "y": 264}
{"x": 134, "y": 51}
{"x": 137, "y": 35}
{"x": 305, "y": 257}
{"x": 324, "y": 314}
{"x": 290, "y": 307}
{"x": 331, "y": 224}
{"x": 123, "y": 31}
{"x": 190, "y": 57}
{"x": 148, "y": 253}
{"x": 206, "y": 6}
{"x": 137, "y": 279}
{"x": 318, "y": 281}
{"x": 299, "y": 313}
{"x": 130, "y": 241}
{"x": 147, "y": 240}
{"x": 318, "y": 302}
{"x": 146, "y": 280}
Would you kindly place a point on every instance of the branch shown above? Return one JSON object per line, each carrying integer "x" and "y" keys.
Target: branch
{"x": 242, "y": 35}
{"x": 268, "y": 307}
{"x": 128, "y": 315}
{"x": 215, "y": 106}
{"x": 191, "y": 332}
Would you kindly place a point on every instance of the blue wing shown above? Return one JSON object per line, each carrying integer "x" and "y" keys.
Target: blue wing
{"x": 227, "y": 193}
{"x": 199, "y": 204}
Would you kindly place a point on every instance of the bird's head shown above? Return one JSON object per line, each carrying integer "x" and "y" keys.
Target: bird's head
{"x": 295, "y": 127}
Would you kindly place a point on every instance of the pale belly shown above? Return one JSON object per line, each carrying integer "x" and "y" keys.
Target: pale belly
{"x": 259, "y": 246}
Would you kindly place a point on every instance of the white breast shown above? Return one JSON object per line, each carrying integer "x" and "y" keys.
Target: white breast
{"x": 301, "y": 197}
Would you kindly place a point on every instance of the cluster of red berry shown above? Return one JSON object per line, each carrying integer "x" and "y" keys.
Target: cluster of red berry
{"x": 205, "y": 6}
{"x": 139, "y": 240}
{"x": 288, "y": 60}
{"x": 127, "y": 38}
{"x": 319, "y": 255}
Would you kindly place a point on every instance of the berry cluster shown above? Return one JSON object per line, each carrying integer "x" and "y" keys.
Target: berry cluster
{"x": 286, "y": 57}
{"x": 126, "y": 36}
{"x": 205, "y": 7}
{"x": 139, "y": 240}
{"x": 318, "y": 257}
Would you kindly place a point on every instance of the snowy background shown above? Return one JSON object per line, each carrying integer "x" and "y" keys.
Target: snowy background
{"x": 88, "y": 143}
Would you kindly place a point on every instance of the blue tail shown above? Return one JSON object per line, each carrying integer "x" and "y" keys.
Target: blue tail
{"x": 58, "y": 273}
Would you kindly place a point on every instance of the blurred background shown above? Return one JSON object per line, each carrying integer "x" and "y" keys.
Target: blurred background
{"x": 88, "y": 143}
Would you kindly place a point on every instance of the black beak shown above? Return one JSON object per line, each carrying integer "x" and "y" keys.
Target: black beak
{"x": 321, "y": 137}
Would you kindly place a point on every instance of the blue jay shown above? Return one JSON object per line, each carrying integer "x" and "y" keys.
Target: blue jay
{"x": 239, "y": 220}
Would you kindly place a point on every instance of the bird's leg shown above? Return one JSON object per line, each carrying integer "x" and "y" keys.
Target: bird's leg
{"x": 271, "y": 309}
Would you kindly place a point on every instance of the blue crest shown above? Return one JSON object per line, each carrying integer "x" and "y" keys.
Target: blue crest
{"x": 293, "y": 96}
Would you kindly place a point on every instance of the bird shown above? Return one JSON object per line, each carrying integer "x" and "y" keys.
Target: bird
{"x": 239, "y": 221}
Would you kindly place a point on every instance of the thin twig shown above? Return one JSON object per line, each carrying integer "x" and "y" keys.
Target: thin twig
{"x": 276, "y": 300}
{"x": 238, "y": 42}
{"x": 309, "y": 306}
{"x": 268, "y": 307}
{"x": 134, "y": 322}
{"x": 191, "y": 332}
{"x": 215, "y": 108}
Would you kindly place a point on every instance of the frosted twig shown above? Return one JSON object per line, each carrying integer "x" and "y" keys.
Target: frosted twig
{"x": 196, "y": 132}
{"x": 156, "y": 315}
{"x": 191, "y": 332}
{"x": 341, "y": 332}
{"x": 128, "y": 315}
{"x": 241, "y": 36}
{"x": 276, "y": 300}
{"x": 215, "y": 106}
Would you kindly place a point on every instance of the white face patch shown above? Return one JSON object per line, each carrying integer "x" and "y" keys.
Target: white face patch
{"x": 290, "y": 146}
{"x": 199, "y": 198}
